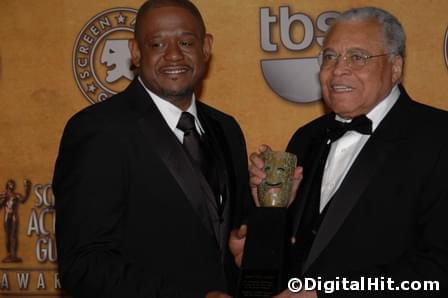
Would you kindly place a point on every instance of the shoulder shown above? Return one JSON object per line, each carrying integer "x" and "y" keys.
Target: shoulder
{"x": 213, "y": 112}
{"x": 424, "y": 118}
{"x": 110, "y": 116}
{"x": 417, "y": 107}
{"x": 114, "y": 111}
{"x": 225, "y": 120}
{"x": 313, "y": 129}
{"x": 307, "y": 136}
{"x": 305, "y": 139}
{"x": 430, "y": 113}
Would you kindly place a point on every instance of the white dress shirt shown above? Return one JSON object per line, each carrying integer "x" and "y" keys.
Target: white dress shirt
{"x": 344, "y": 151}
{"x": 172, "y": 113}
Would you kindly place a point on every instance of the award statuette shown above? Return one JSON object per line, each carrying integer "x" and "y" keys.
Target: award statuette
{"x": 262, "y": 264}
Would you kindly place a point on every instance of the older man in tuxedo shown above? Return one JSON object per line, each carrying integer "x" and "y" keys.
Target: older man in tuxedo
{"x": 373, "y": 201}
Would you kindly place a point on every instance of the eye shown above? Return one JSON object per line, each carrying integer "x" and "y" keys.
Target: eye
{"x": 268, "y": 168}
{"x": 156, "y": 45}
{"x": 111, "y": 51}
{"x": 328, "y": 57}
{"x": 357, "y": 57}
{"x": 185, "y": 43}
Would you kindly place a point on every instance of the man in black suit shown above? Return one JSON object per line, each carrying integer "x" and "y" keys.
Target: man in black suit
{"x": 149, "y": 182}
{"x": 373, "y": 201}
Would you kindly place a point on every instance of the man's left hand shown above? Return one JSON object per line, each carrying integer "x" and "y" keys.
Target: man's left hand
{"x": 236, "y": 243}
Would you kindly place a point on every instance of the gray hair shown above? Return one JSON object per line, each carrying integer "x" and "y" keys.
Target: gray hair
{"x": 394, "y": 36}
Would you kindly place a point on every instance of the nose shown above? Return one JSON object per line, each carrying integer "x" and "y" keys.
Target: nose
{"x": 173, "y": 52}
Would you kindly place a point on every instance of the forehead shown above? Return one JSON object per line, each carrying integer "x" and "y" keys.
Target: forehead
{"x": 169, "y": 18}
{"x": 355, "y": 34}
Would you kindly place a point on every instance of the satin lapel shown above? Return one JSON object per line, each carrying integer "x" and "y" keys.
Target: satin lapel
{"x": 351, "y": 189}
{"x": 369, "y": 160}
{"x": 299, "y": 204}
{"x": 215, "y": 138}
{"x": 170, "y": 151}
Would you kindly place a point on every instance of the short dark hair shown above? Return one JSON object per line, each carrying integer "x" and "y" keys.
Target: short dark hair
{"x": 150, "y": 4}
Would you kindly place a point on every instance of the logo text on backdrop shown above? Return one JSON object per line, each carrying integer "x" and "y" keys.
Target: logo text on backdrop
{"x": 101, "y": 57}
{"x": 294, "y": 79}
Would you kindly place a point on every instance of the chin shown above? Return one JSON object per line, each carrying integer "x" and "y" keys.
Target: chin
{"x": 342, "y": 110}
{"x": 343, "y": 102}
{"x": 178, "y": 92}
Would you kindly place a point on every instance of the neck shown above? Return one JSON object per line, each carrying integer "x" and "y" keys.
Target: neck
{"x": 182, "y": 103}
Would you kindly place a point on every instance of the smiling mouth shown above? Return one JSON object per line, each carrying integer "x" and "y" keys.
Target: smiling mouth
{"x": 341, "y": 88}
{"x": 175, "y": 71}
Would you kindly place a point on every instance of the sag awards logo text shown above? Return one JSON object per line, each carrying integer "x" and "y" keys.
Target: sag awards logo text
{"x": 29, "y": 258}
{"x": 101, "y": 57}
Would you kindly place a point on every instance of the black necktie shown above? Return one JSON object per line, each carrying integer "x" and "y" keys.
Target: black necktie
{"x": 337, "y": 129}
{"x": 192, "y": 139}
{"x": 197, "y": 150}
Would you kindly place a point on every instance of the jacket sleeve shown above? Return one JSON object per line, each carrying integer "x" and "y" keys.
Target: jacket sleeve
{"x": 427, "y": 262}
{"x": 90, "y": 186}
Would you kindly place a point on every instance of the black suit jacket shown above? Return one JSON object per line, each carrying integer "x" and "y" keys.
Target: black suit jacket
{"x": 390, "y": 215}
{"x": 135, "y": 218}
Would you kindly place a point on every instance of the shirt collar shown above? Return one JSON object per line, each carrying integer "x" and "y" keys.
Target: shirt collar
{"x": 381, "y": 109}
{"x": 170, "y": 112}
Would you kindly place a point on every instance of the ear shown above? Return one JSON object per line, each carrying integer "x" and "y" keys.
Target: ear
{"x": 207, "y": 46}
{"x": 135, "y": 52}
{"x": 397, "y": 69}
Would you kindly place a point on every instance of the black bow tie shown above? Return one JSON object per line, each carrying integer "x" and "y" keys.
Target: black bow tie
{"x": 337, "y": 129}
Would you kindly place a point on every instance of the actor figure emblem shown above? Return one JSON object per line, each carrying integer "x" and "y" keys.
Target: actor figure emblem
{"x": 149, "y": 182}
{"x": 10, "y": 199}
{"x": 373, "y": 201}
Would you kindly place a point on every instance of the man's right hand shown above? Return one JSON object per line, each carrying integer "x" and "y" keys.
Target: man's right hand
{"x": 257, "y": 174}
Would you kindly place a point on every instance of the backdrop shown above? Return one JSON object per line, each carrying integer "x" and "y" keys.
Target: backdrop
{"x": 59, "y": 56}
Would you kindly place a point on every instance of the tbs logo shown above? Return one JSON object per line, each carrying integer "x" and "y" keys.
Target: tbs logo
{"x": 295, "y": 79}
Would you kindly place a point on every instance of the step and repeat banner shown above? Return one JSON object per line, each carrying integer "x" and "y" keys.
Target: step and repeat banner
{"x": 59, "y": 56}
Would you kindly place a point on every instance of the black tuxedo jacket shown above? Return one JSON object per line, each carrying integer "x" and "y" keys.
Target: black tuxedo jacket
{"x": 135, "y": 218}
{"x": 390, "y": 215}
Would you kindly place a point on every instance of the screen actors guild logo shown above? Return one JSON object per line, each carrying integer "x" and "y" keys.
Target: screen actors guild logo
{"x": 101, "y": 57}
{"x": 9, "y": 200}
